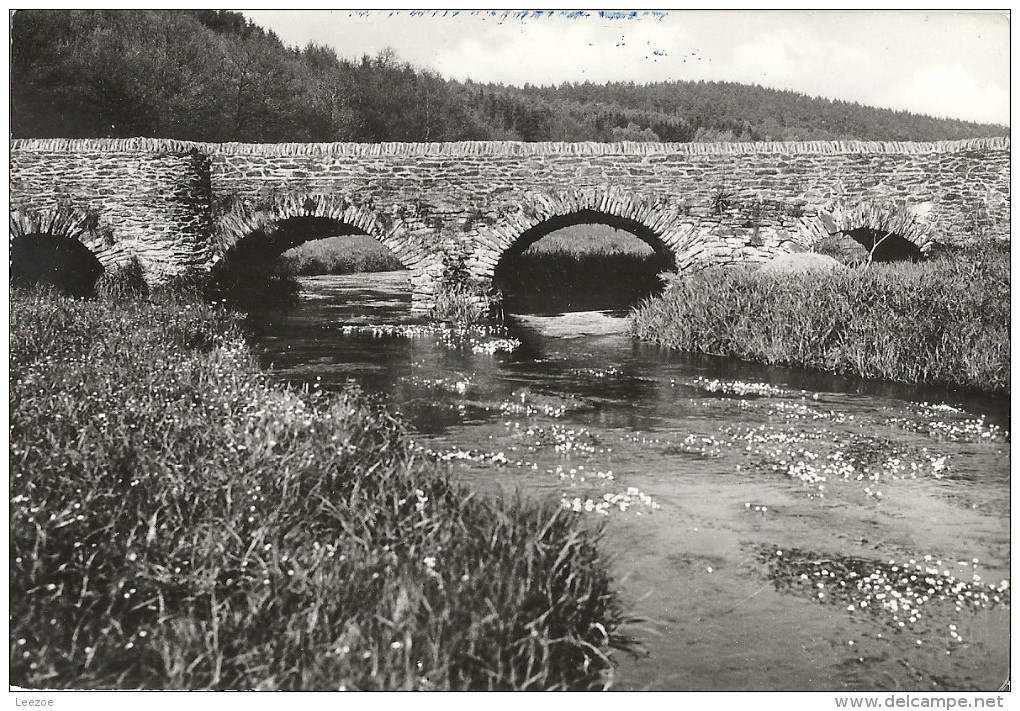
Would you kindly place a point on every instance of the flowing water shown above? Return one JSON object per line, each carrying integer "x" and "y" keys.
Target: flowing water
{"x": 774, "y": 528}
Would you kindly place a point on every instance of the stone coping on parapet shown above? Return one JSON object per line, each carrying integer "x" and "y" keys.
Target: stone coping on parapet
{"x": 499, "y": 148}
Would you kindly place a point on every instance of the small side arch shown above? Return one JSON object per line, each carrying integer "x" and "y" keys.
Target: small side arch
{"x": 315, "y": 216}
{"x": 59, "y": 246}
{"x": 887, "y": 232}
{"x": 61, "y": 221}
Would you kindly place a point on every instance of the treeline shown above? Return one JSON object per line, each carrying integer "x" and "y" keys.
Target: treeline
{"x": 211, "y": 75}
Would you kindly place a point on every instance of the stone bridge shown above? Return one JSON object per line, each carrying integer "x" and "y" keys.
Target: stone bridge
{"x": 180, "y": 206}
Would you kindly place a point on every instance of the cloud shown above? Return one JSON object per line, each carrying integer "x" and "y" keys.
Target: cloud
{"x": 948, "y": 90}
{"x": 554, "y": 50}
{"x": 802, "y": 62}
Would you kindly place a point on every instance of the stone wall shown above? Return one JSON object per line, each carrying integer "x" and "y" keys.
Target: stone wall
{"x": 151, "y": 205}
{"x": 188, "y": 204}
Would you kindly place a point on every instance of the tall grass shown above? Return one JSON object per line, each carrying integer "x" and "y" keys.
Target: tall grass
{"x": 180, "y": 521}
{"x": 462, "y": 304}
{"x": 348, "y": 254}
{"x": 944, "y": 322}
{"x": 123, "y": 282}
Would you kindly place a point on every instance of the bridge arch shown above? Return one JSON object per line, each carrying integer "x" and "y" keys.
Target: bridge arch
{"x": 60, "y": 246}
{"x": 289, "y": 220}
{"x": 888, "y": 232}
{"x": 61, "y": 221}
{"x": 651, "y": 219}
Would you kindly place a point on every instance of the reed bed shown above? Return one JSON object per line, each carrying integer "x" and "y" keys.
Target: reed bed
{"x": 180, "y": 521}
{"x": 944, "y": 322}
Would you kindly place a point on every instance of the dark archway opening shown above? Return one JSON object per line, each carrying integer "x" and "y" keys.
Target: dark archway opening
{"x": 885, "y": 246}
{"x": 585, "y": 261}
{"x": 61, "y": 263}
{"x": 262, "y": 269}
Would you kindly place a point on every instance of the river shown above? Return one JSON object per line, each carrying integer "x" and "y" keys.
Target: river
{"x": 773, "y": 528}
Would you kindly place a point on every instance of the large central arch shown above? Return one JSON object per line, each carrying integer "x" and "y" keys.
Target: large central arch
{"x": 651, "y": 219}
{"x": 591, "y": 217}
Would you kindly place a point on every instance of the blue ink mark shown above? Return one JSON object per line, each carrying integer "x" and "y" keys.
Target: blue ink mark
{"x": 617, "y": 15}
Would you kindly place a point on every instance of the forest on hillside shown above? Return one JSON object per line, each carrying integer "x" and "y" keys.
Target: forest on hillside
{"x": 211, "y": 75}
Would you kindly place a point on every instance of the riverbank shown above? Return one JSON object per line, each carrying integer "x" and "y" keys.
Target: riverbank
{"x": 180, "y": 521}
{"x": 940, "y": 322}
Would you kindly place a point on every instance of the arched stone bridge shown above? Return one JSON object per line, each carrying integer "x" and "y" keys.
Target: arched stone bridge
{"x": 180, "y": 206}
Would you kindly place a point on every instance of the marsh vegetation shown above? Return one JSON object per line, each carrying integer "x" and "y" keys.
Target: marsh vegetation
{"x": 941, "y": 321}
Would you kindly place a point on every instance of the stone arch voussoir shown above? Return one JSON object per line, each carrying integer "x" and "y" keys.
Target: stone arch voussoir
{"x": 62, "y": 221}
{"x": 664, "y": 224}
{"x": 915, "y": 224}
{"x": 244, "y": 218}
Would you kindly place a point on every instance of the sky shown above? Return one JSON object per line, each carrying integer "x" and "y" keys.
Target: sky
{"x": 944, "y": 64}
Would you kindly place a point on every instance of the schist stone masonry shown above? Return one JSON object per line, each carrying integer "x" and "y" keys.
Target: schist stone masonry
{"x": 180, "y": 206}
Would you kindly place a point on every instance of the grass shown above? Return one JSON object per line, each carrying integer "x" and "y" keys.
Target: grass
{"x": 945, "y": 321}
{"x": 590, "y": 238}
{"x": 461, "y": 302}
{"x": 180, "y": 521}
{"x": 348, "y": 254}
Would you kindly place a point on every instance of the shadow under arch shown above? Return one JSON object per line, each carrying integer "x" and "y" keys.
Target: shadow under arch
{"x": 886, "y": 232}
{"x": 582, "y": 279}
{"x": 250, "y": 272}
{"x": 60, "y": 262}
{"x": 885, "y": 246}
{"x": 54, "y": 248}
